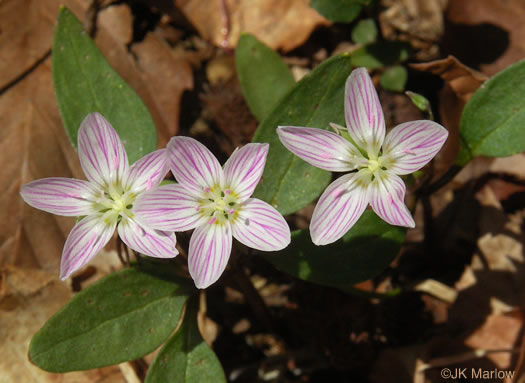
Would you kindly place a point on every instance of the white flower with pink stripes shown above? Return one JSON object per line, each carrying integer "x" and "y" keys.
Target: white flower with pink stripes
{"x": 375, "y": 161}
{"x": 106, "y": 200}
{"x": 216, "y": 203}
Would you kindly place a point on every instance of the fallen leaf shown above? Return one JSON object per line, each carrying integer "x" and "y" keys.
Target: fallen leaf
{"x": 419, "y": 22}
{"x": 279, "y": 24}
{"x": 26, "y": 30}
{"x": 168, "y": 76}
{"x": 492, "y": 33}
{"x": 35, "y": 295}
{"x": 460, "y": 83}
{"x": 464, "y": 81}
{"x": 34, "y": 145}
{"x": 498, "y": 332}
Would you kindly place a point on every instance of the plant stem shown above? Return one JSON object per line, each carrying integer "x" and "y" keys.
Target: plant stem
{"x": 442, "y": 181}
{"x": 252, "y": 296}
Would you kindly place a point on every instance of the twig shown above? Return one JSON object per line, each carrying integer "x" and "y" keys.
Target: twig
{"x": 253, "y": 298}
{"x": 226, "y": 27}
{"x": 442, "y": 181}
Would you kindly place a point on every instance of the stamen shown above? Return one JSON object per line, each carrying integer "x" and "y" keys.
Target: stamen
{"x": 231, "y": 211}
{"x": 207, "y": 190}
{"x": 212, "y": 220}
{"x": 227, "y": 191}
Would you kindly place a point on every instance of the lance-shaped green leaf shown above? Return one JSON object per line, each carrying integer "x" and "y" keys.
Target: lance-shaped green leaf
{"x": 341, "y": 11}
{"x": 493, "y": 121}
{"x": 186, "y": 358}
{"x": 85, "y": 82}
{"x": 122, "y": 317}
{"x": 289, "y": 183}
{"x": 263, "y": 75}
{"x": 380, "y": 54}
{"x": 366, "y": 250}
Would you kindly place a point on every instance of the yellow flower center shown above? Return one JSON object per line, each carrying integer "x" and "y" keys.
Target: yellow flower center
{"x": 219, "y": 205}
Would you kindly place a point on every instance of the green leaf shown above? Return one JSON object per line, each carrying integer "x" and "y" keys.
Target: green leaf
{"x": 122, "y": 317}
{"x": 263, "y": 75}
{"x": 186, "y": 358}
{"x": 364, "y": 32}
{"x": 85, "y": 82}
{"x": 381, "y": 54}
{"x": 340, "y": 11}
{"x": 366, "y": 250}
{"x": 492, "y": 123}
{"x": 420, "y": 101}
{"x": 394, "y": 79}
{"x": 289, "y": 183}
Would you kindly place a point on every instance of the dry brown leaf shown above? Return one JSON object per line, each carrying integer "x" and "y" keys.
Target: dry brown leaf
{"x": 167, "y": 75}
{"x": 460, "y": 83}
{"x": 498, "y": 332}
{"x": 120, "y": 19}
{"x": 28, "y": 298}
{"x": 418, "y": 21}
{"x": 279, "y": 24}
{"x": 464, "y": 81}
{"x": 34, "y": 146}
{"x": 26, "y": 32}
{"x": 486, "y": 31}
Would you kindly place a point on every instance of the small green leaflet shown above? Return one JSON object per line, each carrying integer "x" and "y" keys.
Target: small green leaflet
{"x": 186, "y": 358}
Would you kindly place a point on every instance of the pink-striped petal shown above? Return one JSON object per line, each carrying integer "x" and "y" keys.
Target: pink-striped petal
{"x": 320, "y": 148}
{"x": 244, "y": 169}
{"x": 193, "y": 165}
{"x": 86, "y": 239}
{"x": 261, "y": 227}
{"x": 210, "y": 248}
{"x": 102, "y": 155}
{"x": 338, "y": 209}
{"x": 147, "y": 172}
{"x": 169, "y": 207}
{"x": 364, "y": 117}
{"x": 148, "y": 241}
{"x": 61, "y": 196}
{"x": 412, "y": 145}
{"x": 386, "y": 198}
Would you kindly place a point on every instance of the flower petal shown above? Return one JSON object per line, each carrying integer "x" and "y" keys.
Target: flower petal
{"x": 244, "y": 169}
{"x": 169, "y": 207}
{"x": 102, "y": 155}
{"x": 339, "y": 207}
{"x": 412, "y": 145}
{"x": 322, "y": 149}
{"x": 261, "y": 227}
{"x": 86, "y": 239}
{"x": 148, "y": 241}
{"x": 387, "y": 192}
{"x": 61, "y": 196}
{"x": 147, "y": 172}
{"x": 193, "y": 165}
{"x": 210, "y": 248}
{"x": 363, "y": 113}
